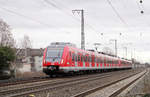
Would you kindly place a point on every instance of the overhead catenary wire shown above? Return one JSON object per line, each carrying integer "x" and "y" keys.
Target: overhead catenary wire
{"x": 24, "y": 16}
{"x": 53, "y": 3}
{"x": 74, "y": 17}
{"x": 119, "y": 16}
{"x": 116, "y": 12}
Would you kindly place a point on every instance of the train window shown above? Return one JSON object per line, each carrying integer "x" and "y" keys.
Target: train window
{"x": 53, "y": 53}
{"x": 99, "y": 60}
{"x": 73, "y": 59}
{"x": 110, "y": 62}
{"x": 116, "y": 62}
{"x": 89, "y": 59}
{"x": 123, "y": 62}
{"x": 78, "y": 57}
{"x": 70, "y": 53}
{"x": 85, "y": 58}
{"x": 94, "y": 59}
{"x": 81, "y": 58}
{"x": 107, "y": 61}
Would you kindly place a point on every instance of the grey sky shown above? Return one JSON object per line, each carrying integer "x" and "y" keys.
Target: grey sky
{"x": 47, "y": 22}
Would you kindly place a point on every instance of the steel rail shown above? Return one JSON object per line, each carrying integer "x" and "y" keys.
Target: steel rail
{"x": 48, "y": 86}
{"x": 90, "y": 91}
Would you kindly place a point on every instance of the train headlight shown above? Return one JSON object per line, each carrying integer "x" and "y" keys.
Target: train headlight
{"x": 44, "y": 61}
{"x": 62, "y": 61}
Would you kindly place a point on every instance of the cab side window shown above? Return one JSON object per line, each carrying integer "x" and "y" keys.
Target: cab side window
{"x": 73, "y": 57}
{"x": 81, "y": 58}
{"x": 78, "y": 58}
{"x": 85, "y": 58}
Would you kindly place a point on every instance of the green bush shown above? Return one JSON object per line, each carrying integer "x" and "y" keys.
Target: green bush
{"x": 7, "y": 55}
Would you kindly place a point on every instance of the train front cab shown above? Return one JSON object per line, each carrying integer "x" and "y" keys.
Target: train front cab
{"x": 52, "y": 60}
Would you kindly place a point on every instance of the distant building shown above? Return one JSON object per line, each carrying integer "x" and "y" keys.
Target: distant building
{"x": 32, "y": 57}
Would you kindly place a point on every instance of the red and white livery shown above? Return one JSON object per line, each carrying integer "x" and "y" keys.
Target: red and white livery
{"x": 65, "y": 58}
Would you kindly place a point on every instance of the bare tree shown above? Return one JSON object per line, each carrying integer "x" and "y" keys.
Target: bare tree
{"x": 21, "y": 51}
{"x": 26, "y": 42}
{"x": 22, "y": 47}
{"x": 6, "y": 38}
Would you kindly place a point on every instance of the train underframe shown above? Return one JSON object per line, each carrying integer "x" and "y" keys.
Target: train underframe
{"x": 56, "y": 70}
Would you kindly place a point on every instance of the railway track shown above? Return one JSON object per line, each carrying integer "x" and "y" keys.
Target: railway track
{"x": 21, "y": 81}
{"x": 36, "y": 87}
{"x": 11, "y": 82}
{"x": 112, "y": 89}
{"x": 41, "y": 85}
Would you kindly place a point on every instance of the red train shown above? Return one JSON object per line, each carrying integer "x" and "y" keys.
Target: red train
{"x": 66, "y": 58}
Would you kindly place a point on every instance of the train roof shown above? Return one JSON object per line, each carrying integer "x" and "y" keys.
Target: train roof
{"x": 92, "y": 52}
{"x": 73, "y": 47}
{"x": 99, "y": 54}
{"x": 61, "y": 44}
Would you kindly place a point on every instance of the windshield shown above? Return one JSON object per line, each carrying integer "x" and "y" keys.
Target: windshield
{"x": 54, "y": 54}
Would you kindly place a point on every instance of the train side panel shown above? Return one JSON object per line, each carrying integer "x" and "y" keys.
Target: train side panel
{"x": 73, "y": 60}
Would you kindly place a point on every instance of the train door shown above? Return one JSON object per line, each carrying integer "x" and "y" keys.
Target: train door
{"x": 101, "y": 61}
{"x": 93, "y": 60}
{"x": 120, "y": 63}
{"x": 86, "y": 60}
{"x": 90, "y": 61}
{"x": 73, "y": 59}
{"x": 76, "y": 60}
{"x": 79, "y": 60}
{"x": 116, "y": 63}
{"x": 105, "y": 62}
{"x": 97, "y": 61}
{"x": 69, "y": 59}
{"x": 112, "y": 63}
